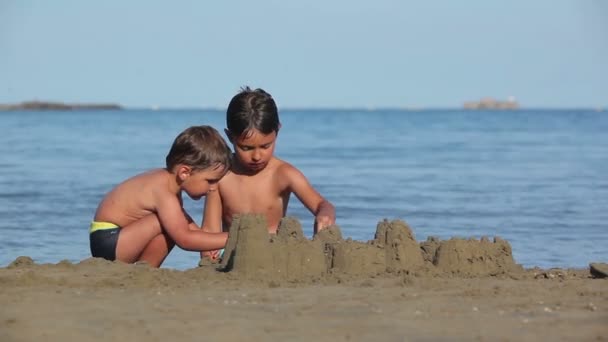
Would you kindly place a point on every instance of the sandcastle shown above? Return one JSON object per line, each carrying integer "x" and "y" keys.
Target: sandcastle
{"x": 252, "y": 253}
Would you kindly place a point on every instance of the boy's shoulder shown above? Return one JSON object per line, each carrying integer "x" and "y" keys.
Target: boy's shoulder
{"x": 277, "y": 165}
{"x": 286, "y": 171}
{"x": 151, "y": 180}
{"x": 152, "y": 176}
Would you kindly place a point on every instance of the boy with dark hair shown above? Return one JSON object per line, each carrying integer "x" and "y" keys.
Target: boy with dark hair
{"x": 142, "y": 218}
{"x": 259, "y": 182}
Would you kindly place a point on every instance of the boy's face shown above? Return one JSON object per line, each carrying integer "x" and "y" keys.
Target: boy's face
{"x": 197, "y": 183}
{"x": 253, "y": 149}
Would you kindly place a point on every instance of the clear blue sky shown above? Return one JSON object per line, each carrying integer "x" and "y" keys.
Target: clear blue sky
{"x": 314, "y": 53}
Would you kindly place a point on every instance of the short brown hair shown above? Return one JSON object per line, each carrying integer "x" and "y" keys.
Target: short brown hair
{"x": 201, "y": 148}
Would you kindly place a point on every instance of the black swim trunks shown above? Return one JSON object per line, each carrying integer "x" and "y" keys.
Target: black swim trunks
{"x": 103, "y": 238}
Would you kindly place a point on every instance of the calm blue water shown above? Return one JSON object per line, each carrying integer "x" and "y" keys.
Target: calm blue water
{"x": 536, "y": 178}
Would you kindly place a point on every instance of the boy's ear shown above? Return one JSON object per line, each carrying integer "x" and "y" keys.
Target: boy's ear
{"x": 229, "y": 135}
{"x": 183, "y": 172}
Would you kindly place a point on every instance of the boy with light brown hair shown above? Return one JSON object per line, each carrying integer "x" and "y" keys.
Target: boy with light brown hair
{"x": 142, "y": 218}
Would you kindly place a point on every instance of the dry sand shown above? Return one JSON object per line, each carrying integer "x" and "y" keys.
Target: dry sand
{"x": 290, "y": 288}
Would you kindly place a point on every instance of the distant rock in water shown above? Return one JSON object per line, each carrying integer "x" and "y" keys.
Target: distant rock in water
{"x": 491, "y": 103}
{"x": 43, "y": 105}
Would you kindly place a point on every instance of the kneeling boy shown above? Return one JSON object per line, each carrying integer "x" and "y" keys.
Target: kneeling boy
{"x": 142, "y": 218}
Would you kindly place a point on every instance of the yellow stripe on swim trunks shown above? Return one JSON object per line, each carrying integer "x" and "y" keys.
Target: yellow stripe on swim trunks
{"x": 96, "y": 225}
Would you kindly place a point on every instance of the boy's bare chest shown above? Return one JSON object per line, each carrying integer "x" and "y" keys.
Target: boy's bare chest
{"x": 252, "y": 195}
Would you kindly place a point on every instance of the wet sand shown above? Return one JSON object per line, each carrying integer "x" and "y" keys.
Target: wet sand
{"x": 288, "y": 287}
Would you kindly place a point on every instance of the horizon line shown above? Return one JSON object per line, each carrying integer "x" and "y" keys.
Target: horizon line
{"x": 370, "y": 108}
{"x": 367, "y": 108}
{"x": 319, "y": 109}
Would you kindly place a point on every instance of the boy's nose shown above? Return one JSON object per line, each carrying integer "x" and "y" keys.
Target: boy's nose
{"x": 256, "y": 156}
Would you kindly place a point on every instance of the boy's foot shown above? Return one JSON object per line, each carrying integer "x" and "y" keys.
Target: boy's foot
{"x": 598, "y": 269}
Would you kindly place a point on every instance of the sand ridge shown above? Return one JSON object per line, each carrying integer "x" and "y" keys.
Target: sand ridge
{"x": 252, "y": 253}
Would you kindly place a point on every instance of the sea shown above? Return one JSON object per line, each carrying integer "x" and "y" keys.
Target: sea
{"x": 537, "y": 178}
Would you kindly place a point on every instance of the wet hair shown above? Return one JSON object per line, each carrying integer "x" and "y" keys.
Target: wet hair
{"x": 252, "y": 109}
{"x": 201, "y": 148}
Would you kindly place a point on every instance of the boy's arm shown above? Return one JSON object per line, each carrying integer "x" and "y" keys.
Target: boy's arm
{"x": 326, "y": 215}
{"x": 176, "y": 223}
{"x": 212, "y": 212}
{"x": 324, "y": 211}
{"x": 212, "y": 219}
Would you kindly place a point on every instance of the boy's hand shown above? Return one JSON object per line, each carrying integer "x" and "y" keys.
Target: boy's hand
{"x": 326, "y": 216}
{"x": 213, "y": 255}
{"x": 323, "y": 221}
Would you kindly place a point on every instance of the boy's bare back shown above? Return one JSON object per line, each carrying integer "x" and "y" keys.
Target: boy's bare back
{"x": 136, "y": 198}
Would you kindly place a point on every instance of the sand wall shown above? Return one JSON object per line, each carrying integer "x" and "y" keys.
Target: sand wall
{"x": 254, "y": 254}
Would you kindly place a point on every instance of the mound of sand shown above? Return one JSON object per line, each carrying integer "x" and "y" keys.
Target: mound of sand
{"x": 254, "y": 254}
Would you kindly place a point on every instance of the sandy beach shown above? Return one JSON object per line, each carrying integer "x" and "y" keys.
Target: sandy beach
{"x": 287, "y": 287}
